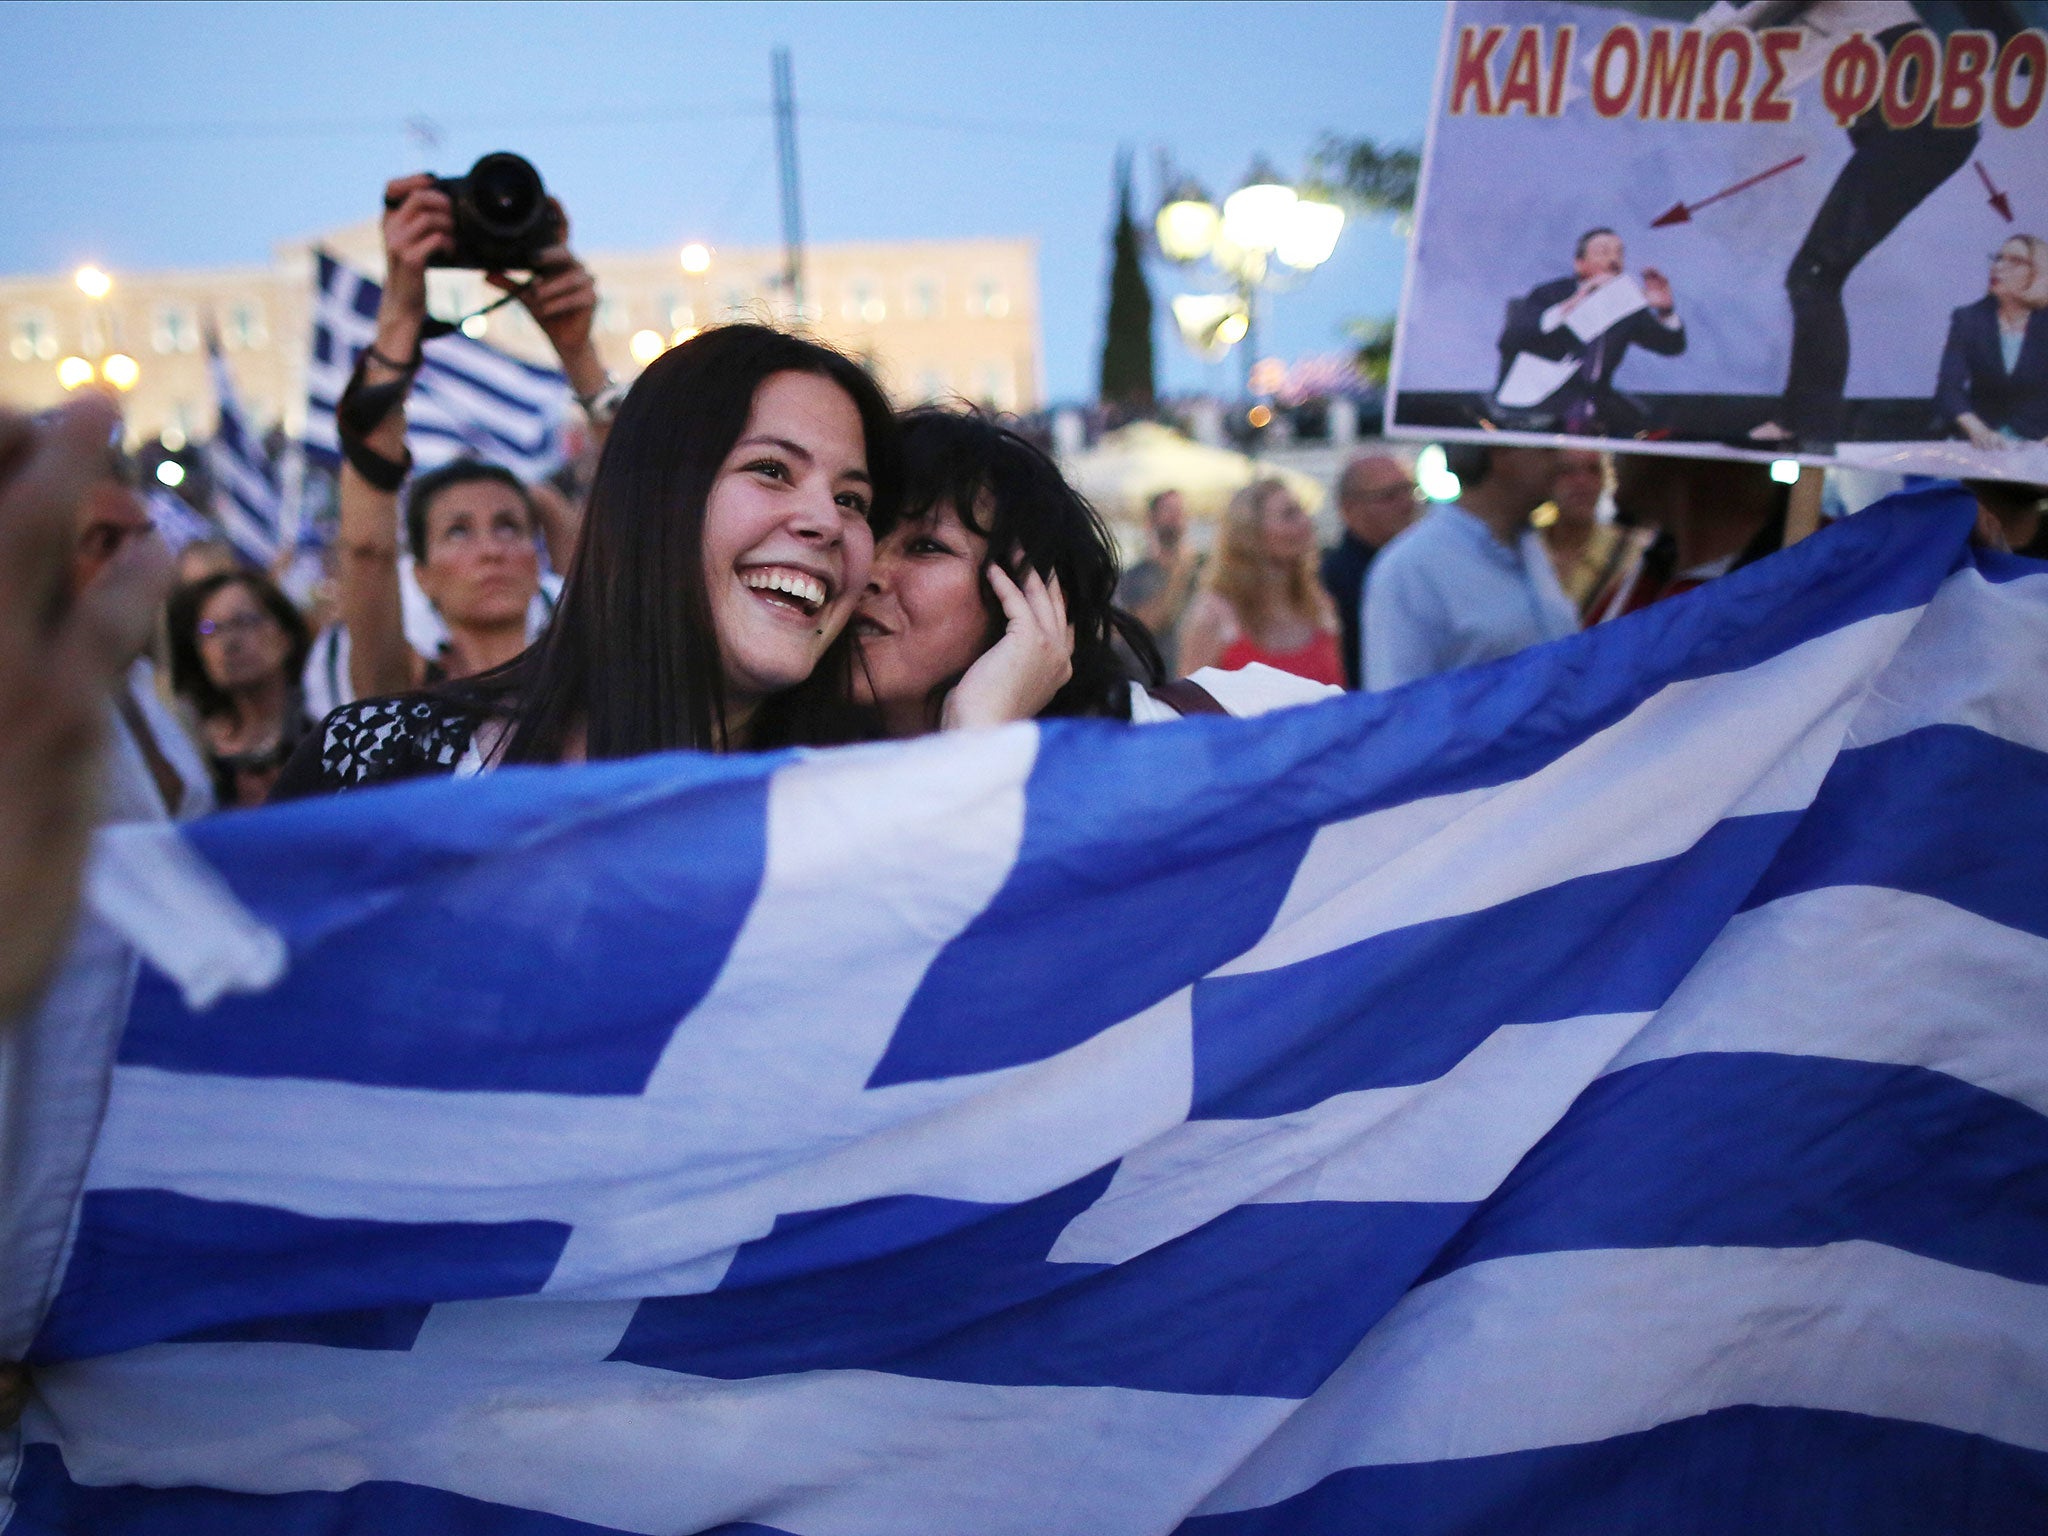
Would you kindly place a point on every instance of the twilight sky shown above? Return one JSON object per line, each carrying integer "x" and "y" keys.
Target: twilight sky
{"x": 147, "y": 136}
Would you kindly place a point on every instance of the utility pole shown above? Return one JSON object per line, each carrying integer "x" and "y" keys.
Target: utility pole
{"x": 792, "y": 195}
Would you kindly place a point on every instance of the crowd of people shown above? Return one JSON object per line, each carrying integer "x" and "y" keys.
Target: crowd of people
{"x": 769, "y": 554}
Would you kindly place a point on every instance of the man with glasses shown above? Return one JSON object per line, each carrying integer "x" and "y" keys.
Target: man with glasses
{"x": 1376, "y": 497}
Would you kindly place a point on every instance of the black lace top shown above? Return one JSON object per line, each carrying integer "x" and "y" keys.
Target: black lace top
{"x": 378, "y": 741}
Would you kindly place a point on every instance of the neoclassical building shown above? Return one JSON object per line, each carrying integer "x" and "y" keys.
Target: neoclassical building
{"x": 935, "y": 318}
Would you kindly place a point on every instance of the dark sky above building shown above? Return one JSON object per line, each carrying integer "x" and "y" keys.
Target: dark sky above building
{"x": 145, "y": 136}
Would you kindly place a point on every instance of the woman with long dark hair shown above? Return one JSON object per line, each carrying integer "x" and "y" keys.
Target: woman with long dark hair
{"x": 727, "y": 538}
{"x": 237, "y": 647}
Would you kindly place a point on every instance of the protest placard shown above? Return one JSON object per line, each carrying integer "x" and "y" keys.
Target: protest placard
{"x": 1778, "y": 229}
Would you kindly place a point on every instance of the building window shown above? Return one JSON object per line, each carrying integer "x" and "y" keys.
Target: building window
{"x": 246, "y": 326}
{"x": 923, "y": 303}
{"x": 173, "y": 328}
{"x": 35, "y": 335}
{"x": 989, "y": 299}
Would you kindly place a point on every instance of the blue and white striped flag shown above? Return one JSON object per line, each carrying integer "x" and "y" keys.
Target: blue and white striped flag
{"x": 177, "y": 524}
{"x": 1605, "y": 1090}
{"x": 468, "y": 399}
{"x": 248, "y": 500}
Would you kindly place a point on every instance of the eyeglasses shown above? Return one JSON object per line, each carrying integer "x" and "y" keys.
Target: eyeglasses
{"x": 240, "y": 624}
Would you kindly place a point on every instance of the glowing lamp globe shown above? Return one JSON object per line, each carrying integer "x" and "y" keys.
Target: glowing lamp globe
{"x": 1187, "y": 228}
{"x": 1308, "y": 234}
{"x": 1259, "y": 216}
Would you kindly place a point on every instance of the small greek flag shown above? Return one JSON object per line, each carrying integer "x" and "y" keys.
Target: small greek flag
{"x": 468, "y": 399}
{"x": 248, "y": 495}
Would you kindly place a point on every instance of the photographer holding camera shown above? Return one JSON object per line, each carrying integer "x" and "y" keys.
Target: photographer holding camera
{"x": 471, "y": 527}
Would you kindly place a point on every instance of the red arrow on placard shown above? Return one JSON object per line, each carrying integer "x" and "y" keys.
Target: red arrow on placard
{"x": 1681, "y": 213}
{"x": 1998, "y": 198}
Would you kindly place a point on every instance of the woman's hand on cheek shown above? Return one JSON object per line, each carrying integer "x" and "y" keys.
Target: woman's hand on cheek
{"x": 1017, "y": 676}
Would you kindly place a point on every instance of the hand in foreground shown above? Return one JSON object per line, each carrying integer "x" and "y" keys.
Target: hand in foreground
{"x": 1017, "y": 676}
{"x": 81, "y": 577}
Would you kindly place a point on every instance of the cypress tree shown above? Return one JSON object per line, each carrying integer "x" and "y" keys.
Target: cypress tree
{"x": 1127, "y": 339}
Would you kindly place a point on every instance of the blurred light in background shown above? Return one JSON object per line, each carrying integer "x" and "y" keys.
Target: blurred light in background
{"x": 1434, "y": 476}
{"x": 1308, "y": 236}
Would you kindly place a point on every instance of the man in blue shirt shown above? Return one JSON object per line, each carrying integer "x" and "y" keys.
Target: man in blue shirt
{"x": 1471, "y": 580}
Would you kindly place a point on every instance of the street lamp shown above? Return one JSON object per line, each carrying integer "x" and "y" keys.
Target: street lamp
{"x": 1265, "y": 236}
{"x": 115, "y": 368}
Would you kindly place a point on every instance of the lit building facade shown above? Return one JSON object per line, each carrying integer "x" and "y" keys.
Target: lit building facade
{"x": 938, "y": 319}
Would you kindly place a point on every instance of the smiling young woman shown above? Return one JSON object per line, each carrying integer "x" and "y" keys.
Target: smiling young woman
{"x": 730, "y": 530}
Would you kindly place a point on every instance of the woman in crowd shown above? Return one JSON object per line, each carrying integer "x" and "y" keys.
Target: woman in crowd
{"x": 237, "y": 645}
{"x": 1261, "y": 599}
{"x": 473, "y": 529}
{"x": 949, "y": 637}
{"x": 725, "y": 544}
{"x": 1994, "y": 371}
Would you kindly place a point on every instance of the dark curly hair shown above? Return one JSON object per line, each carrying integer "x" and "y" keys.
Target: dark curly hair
{"x": 1006, "y": 489}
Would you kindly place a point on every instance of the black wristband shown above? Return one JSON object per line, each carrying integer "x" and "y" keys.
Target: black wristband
{"x": 361, "y": 409}
{"x": 384, "y": 474}
{"x": 412, "y": 367}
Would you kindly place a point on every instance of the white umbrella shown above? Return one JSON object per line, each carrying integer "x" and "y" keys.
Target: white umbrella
{"x": 1131, "y": 465}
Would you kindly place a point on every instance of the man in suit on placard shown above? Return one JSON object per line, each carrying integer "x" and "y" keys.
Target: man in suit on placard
{"x": 1564, "y": 339}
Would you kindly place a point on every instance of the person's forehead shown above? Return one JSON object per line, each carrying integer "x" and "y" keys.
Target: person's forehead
{"x": 487, "y": 496}
{"x": 229, "y": 597}
{"x": 1376, "y": 472}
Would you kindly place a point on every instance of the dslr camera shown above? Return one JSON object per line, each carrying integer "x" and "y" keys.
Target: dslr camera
{"x": 503, "y": 215}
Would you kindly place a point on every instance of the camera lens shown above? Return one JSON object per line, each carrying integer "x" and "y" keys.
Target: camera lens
{"x": 506, "y": 194}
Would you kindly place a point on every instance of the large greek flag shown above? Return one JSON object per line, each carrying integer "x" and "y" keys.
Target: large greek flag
{"x": 1606, "y": 1090}
{"x": 468, "y": 399}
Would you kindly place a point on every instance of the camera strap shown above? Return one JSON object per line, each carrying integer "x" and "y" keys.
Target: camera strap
{"x": 434, "y": 326}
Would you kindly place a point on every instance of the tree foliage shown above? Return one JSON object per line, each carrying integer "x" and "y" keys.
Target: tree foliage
{"x": 1372, "y": 177}
{"x": 1127, "y": 364}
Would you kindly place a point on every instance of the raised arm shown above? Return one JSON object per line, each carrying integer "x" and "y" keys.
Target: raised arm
{"x": 418, "y": 222}
{"x": 563, "y": 303}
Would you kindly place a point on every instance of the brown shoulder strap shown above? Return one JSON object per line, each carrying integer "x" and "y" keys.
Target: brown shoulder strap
{"x": 1188, "y": 697}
